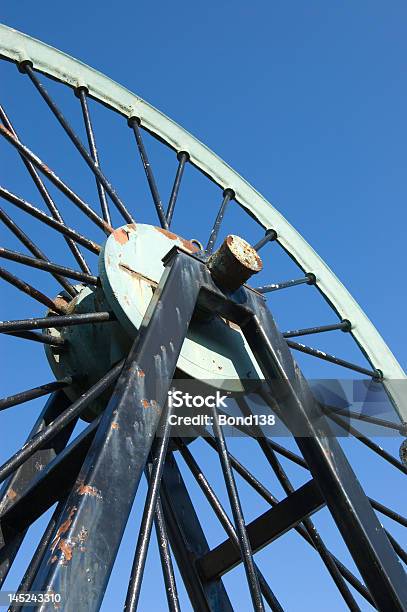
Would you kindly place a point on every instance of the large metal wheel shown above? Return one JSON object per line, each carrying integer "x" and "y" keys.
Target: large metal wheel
{"x": 99, "y": 320}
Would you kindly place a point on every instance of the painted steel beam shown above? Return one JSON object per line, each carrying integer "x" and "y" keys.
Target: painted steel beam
{"x": 188, "y": 542}
{"x": 272, "y": 524}
{"x": 16, "y": 485}
{"x": 87, "y": 538}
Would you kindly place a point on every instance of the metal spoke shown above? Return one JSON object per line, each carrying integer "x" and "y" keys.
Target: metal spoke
{"x": 48, "y": 266}
{"x": 53, "y": 305}
{"x": 182, "y": 159}
{"x": 366, "y": 441}
{"x": 82, "y": 95}
{"x": 46, "y": 434}
{"x": 349, "y": 414}
{"x": 77, "y": 142}
{"x": 395, "y": 516}
{"x": 224, "y": 519}
{"x": 375, "y": 374}
{"x": 29, "y": 394}
{"x": 27, "y": 580}
{"x": 49, "y": 322}
{"x": 308, "y": 279}
{"x": 134, "y": 124}
{"x": 307, "y": 522}
{"x": 24, "y": 239}
{"x": 244, "y": 543}
{"x": 228, "y": 194}
{"x": 343, "y": 325}
{"x": 58, "y": 226}
{"x": 273, "y": 501}
{"x": 38, "y": 337}
{"x": 159, "y": 453}
{"x": 300, "y": 461}
{"x": 269, "y": 236}
{"x": 165, "y": 556}
{"x": 398, "y": 549}
{"x": 75, "y": 199}
{"x": 46, "y": 196}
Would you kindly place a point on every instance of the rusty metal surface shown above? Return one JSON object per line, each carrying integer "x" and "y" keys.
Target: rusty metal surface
{"x": 234, "y": 263}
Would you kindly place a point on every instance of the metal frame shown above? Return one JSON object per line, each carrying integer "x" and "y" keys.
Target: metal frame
{"x": 99, "y": 504}
{"x": 21, "y": 48}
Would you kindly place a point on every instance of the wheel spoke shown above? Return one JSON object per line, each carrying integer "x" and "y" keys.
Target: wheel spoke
{"x": 269, "y": 236}
{"x": 165, "y": 556}
{"x": 343, "y": 325}
{"x": 307, "y": 522}
{"x": 46, "y": 196}
{"x": 224, "y": 519}
{"x": 78, "y": 144}
{"x": 364, "y": 440}
{"x": 349, "y": 414}
{"x": 244, "y": 542}
{"x": 75, "y": 199}
{"x": 133, "y": 123}
{"x": 159, "y": 454}
{"x": 60, "y": 422}
{"x": 308, "y": 279}
{"x": 82, "y": 95}
{"x": 375, "y": 374}
{"x": 38, "y": 337}
{"x": 228, "y": 194}
{"x": 50, "y": 322}
{"x": 26, "y": 241}
{"x": 273, "y": 501}
{"x": 28, "y": 289}
{"x": 28, "y": 578}
{"x": 57, "y": 225}
{"x": 48, "y": 266}
{"x": 29, "y": 394}
{"x": 182, "y": 159}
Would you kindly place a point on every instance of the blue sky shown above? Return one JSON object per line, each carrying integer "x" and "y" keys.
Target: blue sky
{"x": 307, "y": 101}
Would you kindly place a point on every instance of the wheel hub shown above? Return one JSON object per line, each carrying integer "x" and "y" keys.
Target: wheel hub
{"x": 130, "y": 268}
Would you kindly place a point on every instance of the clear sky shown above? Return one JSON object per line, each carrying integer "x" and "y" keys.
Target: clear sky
{"x": 307, "y": 101}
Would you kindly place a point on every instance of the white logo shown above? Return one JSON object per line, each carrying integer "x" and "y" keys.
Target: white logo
{"x": 176, "y": 399}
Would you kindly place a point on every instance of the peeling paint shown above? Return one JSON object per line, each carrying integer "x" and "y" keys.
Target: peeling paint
{"x": 11, "y": 494}
{"x": 121, "y": 236}
{"x": 89, "y": 490}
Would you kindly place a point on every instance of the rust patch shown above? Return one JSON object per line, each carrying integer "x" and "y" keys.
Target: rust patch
{"x": 145, "y": 403}
{"x": 121, "y": 236}
{"x": 66, "y": 548}
{"x": 186, "y": 243}
{"x": 88, "y": 490}
{"x": 61, "y": 304}
{"x": 11, "y": 494}
{"x": 167, "y": 233}
{"x": 114, "y": 425}
{"x": 140, "y": 373}
{"x": 63, "y": 529}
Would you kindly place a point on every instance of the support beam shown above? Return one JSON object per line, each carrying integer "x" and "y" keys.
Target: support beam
{"x": 188, "y": 542}
{"x": 286, "y": 515}
{"x": 103, "y": 494}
